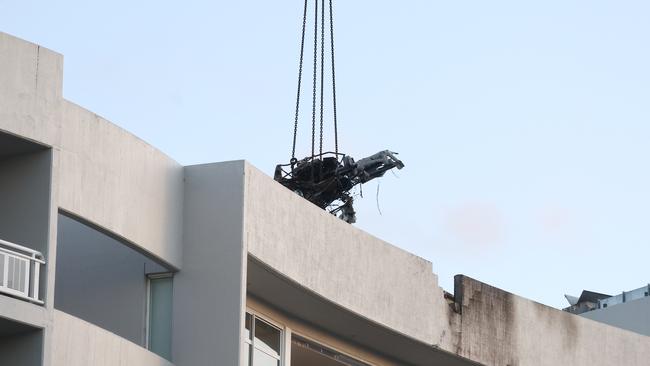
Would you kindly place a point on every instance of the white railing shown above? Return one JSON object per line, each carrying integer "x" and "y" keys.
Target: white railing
{"x": 20, "y": 271}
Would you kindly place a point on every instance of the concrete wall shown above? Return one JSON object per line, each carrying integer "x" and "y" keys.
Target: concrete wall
{"x": 25, "y": 199}
{"x": 342, "y": 263}
{"x": 396, "y": 289}
{"x": 30, "y": 90}
{"x": 101, "y": 280}
{"x": 633, "y": 316}
{"x": 499, "y": 328}
{"x": 78, "y": 343}
{"x": 102, "y": 173}
{"x": 209, "y": 293}
{"x": 23, "y": 349}
{"x": 118, "y": 182}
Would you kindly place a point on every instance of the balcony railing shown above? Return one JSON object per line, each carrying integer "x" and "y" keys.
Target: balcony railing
{"x": 20, "y": 271}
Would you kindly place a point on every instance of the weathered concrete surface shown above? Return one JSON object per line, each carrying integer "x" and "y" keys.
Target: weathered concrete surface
{"x": 78, "y": 343}
{"x": 342, "y": 263}
{"x": 393, "y": 288}
{"x": 501, "y": 329}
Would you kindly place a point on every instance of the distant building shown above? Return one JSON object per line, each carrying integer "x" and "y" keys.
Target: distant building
{"x": 628, "y": 310}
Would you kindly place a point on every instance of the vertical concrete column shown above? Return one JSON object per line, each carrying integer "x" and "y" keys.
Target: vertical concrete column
{"x": 210, "y": 290}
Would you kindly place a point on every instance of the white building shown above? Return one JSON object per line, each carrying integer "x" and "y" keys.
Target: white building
{"x": 114, "y": 254}
{"x": 628, "y": 310}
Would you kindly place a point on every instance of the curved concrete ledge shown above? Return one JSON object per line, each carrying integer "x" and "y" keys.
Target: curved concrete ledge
{"x": 120, "y": 183}
{"x": 276, "y": 290}
{"x": 102, "y": 173}
{"x": 99, "y": 347}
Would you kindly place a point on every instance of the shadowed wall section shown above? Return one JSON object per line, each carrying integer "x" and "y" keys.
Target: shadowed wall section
{"x": 101, "y": 280}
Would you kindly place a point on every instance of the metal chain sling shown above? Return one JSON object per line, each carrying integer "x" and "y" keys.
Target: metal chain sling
{"x": 326, "y": 179}
{"x": 317, "y": 22}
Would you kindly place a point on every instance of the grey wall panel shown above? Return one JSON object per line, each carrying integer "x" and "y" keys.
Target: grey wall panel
{"x": 209, "y": 291}
{"x": 25, "y": 199}
{"x": 23, "y": 349}
{"x": 101, "y": 280}
{"x": 633, "y": 315}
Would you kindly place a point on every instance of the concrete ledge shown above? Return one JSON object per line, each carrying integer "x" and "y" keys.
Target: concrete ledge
{"x": 78, "y": 343}
{"x": 121, "y": 184}
{"x": 499, "y": 328}
{"x": 23, "y": 312}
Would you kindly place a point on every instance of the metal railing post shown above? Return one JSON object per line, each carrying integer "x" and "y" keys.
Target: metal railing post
{"x": 20, "y": 256}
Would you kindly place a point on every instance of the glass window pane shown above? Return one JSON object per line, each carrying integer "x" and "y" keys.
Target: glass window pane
{"x": 303, "y": 349}
{"x": 160, "y": 316}
{"x": 262, "y": 359}
{"x": 2, "y": 269}
{"x": 267, "y": 337}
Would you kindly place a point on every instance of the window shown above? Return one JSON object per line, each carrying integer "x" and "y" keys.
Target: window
{"x": 262, "y": 343}
{"x": 159, "y": 320}
{"x": 307, "y": 353}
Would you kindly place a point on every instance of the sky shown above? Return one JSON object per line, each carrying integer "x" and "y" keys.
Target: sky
{"x": 524, "y": 126}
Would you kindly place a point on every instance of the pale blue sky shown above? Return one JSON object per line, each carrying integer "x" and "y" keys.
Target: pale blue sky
{"x": 524, "y": 125}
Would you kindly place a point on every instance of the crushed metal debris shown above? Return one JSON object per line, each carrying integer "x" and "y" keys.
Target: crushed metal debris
{"x": 327, "y": 179}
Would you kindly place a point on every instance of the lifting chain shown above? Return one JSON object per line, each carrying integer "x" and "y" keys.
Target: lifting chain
{"x": 302, "y": 53}
{"x": 317, "y": 22}
{"x": 336, "y": 130}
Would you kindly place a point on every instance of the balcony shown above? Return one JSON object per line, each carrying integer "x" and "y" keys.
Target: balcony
{"x": 20, "y": 269}
{"x": 25, "y": 199}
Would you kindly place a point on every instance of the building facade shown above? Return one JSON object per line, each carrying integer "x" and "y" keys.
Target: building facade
{"x": 628, "y": 310}
{"x": 114, "y": 254}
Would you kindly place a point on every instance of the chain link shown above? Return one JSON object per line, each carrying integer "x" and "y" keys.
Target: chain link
{"x": 315, "y": 79}
{"x": 322, "y": 72}
{"x": 336, "y": 130}
{"x": 302, "y": 52}
{"x": 313, "y": 108}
